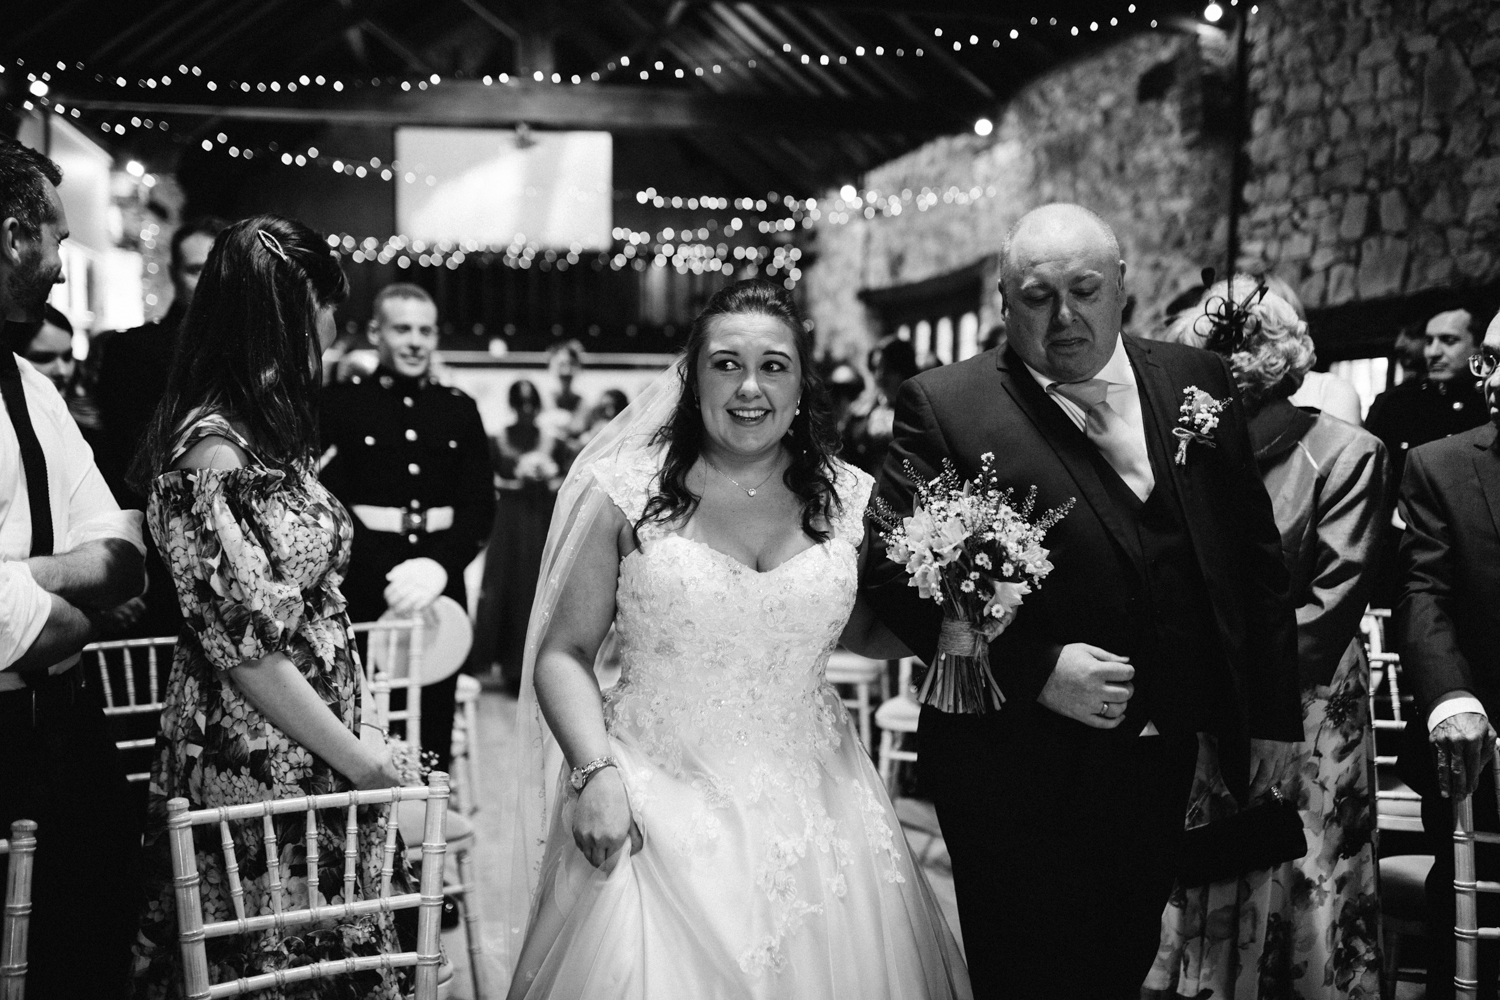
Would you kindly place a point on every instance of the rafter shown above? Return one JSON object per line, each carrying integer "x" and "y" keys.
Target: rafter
{"x": 615, "y": 108}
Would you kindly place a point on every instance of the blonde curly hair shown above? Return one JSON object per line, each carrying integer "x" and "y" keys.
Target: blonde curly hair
{"x": 1275, "y": 353}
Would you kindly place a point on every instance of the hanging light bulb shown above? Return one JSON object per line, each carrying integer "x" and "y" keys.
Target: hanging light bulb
{"x": 983, "y": 126}
{"x": 1213, "y": 13}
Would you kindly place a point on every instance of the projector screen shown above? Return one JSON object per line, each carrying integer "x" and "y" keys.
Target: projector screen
{"x": 497, "y": 186}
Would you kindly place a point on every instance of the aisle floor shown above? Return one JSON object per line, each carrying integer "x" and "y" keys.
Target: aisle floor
{"x": 497, "y": 734}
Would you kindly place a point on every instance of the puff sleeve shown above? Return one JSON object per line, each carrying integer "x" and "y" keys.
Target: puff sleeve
{"x": 224, "y": 537}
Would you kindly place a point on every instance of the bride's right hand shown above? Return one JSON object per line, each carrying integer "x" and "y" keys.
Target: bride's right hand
{"x": 602, "y": 822}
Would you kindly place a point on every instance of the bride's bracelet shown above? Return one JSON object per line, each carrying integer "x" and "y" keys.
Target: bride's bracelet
{"x": 581, "y": 775}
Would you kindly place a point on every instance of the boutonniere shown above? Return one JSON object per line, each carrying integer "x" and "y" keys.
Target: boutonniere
{"x": 1198, "y": 418}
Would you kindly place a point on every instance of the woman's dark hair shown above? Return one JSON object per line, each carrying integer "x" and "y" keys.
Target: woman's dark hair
{"x": 812, "y": 440}
{"x": 248, "y": 346}
{"x": 521, "y": 391}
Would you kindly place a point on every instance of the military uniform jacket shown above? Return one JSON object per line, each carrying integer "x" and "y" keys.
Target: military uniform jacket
{"x": 1418, "y": 411}
{"x": 390, "y": 441}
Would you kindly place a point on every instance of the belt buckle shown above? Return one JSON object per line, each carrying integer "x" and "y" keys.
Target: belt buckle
{"x": 413, "y": 520}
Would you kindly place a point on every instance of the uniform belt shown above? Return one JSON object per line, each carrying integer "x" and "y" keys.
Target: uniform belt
{"x": 400, "y": 521}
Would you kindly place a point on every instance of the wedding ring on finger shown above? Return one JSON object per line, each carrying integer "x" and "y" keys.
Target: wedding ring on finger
{"x": 1103, "y": 712}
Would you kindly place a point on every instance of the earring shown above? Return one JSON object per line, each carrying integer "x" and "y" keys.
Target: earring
{"x": 797, "y": 411}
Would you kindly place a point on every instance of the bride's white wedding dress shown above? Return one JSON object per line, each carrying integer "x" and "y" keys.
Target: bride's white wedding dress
{"x": 773, "y": 864}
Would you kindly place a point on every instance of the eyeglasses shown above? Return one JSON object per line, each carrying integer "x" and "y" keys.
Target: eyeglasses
{"x": 1483, "y": 365}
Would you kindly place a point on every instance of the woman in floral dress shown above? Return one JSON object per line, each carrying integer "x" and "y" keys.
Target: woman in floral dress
{"x": 263, "y": 700}
{"x": 1310, "y": 927}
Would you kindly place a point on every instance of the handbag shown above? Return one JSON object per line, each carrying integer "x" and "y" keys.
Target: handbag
{"x": 1264, "y": 835}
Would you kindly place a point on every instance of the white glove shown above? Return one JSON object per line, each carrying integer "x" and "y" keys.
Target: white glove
{"x": 414, "y": 585}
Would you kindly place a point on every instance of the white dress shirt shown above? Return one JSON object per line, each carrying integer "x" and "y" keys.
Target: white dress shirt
{"x": 1124, "y": 397}
{"x": 83, "y": 510}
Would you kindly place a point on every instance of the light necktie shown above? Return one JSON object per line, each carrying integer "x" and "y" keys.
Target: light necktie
{"x": 1122, "y": 447}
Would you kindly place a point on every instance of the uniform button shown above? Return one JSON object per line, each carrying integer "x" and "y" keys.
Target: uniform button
{"x": 414, "y": 469}
{"x": 369, "y": 440}
{"x": 409, "y": 401}
{"x": 416, "y": 505}
{"x": 411, "y": 435}
{"x": 412, "y": 539}
{"x": 453, "y": 444}
{"x": 1458, "y": 404}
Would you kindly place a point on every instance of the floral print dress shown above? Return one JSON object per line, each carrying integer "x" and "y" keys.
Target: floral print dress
{"x": 256, "y": 555}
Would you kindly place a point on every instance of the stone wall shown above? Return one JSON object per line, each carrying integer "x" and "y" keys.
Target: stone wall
{"x": 1375, "y": 147}
{"x": 1133, "y": 132}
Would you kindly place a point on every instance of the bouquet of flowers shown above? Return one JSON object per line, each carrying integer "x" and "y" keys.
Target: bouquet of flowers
{"x": 971, "y": 548}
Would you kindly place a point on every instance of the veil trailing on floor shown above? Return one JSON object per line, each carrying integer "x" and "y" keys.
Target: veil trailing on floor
{"x": 629, "y": 438}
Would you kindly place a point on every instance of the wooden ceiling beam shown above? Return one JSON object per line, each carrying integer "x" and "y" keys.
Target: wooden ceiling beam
{"x": 734, "y": 28}
{"x": 942, "y": 58}
{"x": 583, "y": 106}
{"x": 834, "y": 23}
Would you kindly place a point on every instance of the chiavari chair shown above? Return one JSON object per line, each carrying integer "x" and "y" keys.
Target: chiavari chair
{"x": 20, "y": 852}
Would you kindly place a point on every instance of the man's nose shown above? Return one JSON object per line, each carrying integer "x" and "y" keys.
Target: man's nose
{"x": 1062, "y": 316}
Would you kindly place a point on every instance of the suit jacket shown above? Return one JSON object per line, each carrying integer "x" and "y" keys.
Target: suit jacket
{"x": 1447, "y": 622}
{"x": 991, "y": 403}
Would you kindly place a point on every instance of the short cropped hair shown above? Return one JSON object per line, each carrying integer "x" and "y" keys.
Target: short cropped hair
{"x": 24, "y": 176}
{"x": 399, "y": 290}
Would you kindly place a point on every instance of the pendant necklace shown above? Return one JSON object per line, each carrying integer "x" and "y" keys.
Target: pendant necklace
{"x": 749, "y": 490}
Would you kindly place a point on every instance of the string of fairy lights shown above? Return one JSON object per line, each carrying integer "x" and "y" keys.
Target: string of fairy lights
{"x": 690, "y": 250}
{"x": 189, "y": 77}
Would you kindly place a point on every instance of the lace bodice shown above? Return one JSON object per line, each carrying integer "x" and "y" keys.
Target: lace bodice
{"x": 721, "y": 661}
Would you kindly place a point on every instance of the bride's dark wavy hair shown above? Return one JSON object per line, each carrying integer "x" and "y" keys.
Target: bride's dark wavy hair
{"x": 248, "y": 346}
{"x": 811, "y": 439}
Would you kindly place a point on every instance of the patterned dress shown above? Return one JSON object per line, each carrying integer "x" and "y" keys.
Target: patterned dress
{"x": 1308, "y": 928}
{"x": 257, "y": 555}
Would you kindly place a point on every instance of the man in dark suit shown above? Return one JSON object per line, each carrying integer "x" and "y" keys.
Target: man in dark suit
{"x": 1447, "y": 630}
{"x": 1164, "y": 617}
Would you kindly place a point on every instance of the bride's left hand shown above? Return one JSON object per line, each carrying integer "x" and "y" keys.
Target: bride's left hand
{"x": 602, "y": 820}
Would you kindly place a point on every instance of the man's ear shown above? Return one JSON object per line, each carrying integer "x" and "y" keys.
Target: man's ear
{"x": 1122, "y": 277}
{"x": 1004, "y": 301}
{"x": 370, "y": 332}
{"x": 10, "y": 241}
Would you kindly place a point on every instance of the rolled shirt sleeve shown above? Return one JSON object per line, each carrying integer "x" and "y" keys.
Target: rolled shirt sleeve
{"x": 24, "y": 610}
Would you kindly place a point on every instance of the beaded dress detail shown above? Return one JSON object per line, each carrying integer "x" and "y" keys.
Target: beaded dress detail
{"x": 773, "y": 863}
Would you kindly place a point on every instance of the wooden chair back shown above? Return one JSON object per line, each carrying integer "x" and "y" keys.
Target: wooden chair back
{"x": 132, "y": 676}
{"x": 1466, "y": 891}
{"x": 20, "y": 850}
{"x": 1398, "y": 808}
{"x": 393, "y": 649}
{"x": 194, "y": 932}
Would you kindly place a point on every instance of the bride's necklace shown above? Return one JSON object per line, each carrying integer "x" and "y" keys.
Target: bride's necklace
{"x": 749, "y": 490}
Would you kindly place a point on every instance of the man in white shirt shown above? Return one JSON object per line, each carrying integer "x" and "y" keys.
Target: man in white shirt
{"x": 67, "y": 555}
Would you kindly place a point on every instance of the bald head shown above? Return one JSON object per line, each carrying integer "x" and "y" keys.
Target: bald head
{"x": 1064, "y": 290}
{"x": 1059, "y": 220}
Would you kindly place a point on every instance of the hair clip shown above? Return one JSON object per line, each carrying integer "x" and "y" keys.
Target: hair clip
{"x": 1229, "y": 322}
{"x": 272, "y": 244}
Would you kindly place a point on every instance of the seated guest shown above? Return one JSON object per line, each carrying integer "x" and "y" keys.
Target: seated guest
{"x": 528, "y": 466}
{"x": 410, "y": 460}
{"x": 1307, "y": 927}
{"x": 1447, "y": 630}
{"x": 62, "y": 563}
{"x": 264, "y": 698}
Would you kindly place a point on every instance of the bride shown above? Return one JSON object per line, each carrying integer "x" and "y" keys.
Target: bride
{"x": 712, "y": 827}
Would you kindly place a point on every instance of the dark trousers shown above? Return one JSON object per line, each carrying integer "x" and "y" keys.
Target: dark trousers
{"x": 1437, "y": 824}
{"x": 59, "y": 768}
{"x": 1064, "y": 859}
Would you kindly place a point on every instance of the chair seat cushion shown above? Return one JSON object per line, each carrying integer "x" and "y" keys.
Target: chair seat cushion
{"x": 845, "y": 667}
{"x": 1403, "y": 885}
{"x": 468, "y": 688}
{"x": 411, "y": 814}
{"x": 898, "y": 714}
